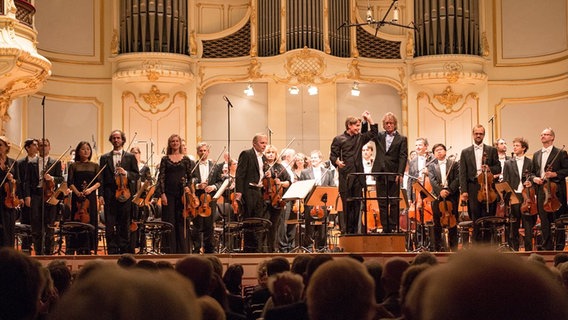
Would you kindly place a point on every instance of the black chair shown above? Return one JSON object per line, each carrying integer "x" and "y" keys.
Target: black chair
{"x": 78, "y": 237}
{"x": 560, "y": 225}
{"x": 494, "y": 226}
{"x": 156, "y": 232}
{"x": 23, "y": 232}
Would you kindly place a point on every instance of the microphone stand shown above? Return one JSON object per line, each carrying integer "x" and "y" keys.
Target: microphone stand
{"x": 227, "y": 223}
{"x": 42, "y": 249}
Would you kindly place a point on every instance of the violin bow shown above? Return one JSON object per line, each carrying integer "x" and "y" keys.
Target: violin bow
{"x": 11, "y": 166}
{"x": 58, "y": 159}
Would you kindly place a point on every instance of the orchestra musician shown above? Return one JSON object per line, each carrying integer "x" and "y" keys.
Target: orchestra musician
{"x": 118, "y": 185}
{"x": 550, "y": 168}
{"x": 323, "y": 177}
{"x": 173, "y": 180}
{"x": 207, "y": 181}
{"x": 391, "y": 157}
{"x": 81, "y": 172}
{"x": 248, "y": 185}
{"x": 444, "y": 178}
{"x": 31, "y": 147}
{"x": 38, "y": 181}
{"x": 293, "y": 210}
{"x": 515, "y": 172}
{"x": 368, "y": 159}
{"x": 276, "y": 182}
{"x": 417, "y": 169}
{"x": 501, "y": 146}
{"x": 475, "y": 160}
{"x": 285, "y": 230}
{"x": 8, "y": 174}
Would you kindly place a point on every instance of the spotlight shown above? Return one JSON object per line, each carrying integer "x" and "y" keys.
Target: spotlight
{"x": 312, "y": 91}
{"x": 355, "y": 90}
{"x": 249, "y": 91}
{"x": 294, "y": 90}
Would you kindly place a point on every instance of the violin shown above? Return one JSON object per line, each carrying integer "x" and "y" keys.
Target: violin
{"x": 447, "y": 218}
{"x": 190, "y": 201}
{"x": 486, "y": 191}
{"x": 204, "y": 209}
{"x": 234, "y": 204}
{"x": 82, "y": 213}
{"x": 49, "y": 186}
{"x": 11, "y": 201}
{"x": 273, "y": 192}
{"x": 551, "y": 202}
{"x": 317, "y": 212}
{"x": 122, "y": 191}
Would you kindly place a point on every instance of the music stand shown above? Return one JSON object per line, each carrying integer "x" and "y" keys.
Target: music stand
{"x": 299, "y": 190}
{"x": 505, "y": 192}
{"x": 320, "y": 197}
{"x": 424, "y": 195}
{"x": 215, "y": 198}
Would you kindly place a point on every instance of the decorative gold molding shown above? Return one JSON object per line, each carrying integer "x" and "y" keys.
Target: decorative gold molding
{"x": 114, "y": 42}
{"x": 453, "y": 71}
{"x": 410, "y": 45}
{"x": 448, "y": 98}
{"x": 485, "y": 42}
{"x": 153, "y": 99}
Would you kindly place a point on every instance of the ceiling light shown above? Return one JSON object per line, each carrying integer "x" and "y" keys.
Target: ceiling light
{"x": 294, "y": 90}
{"x": 355, "y": 89}
{"x": 395, "y": 12}
{"x": 312, "y": 91}
{"x": 249, "y": 91}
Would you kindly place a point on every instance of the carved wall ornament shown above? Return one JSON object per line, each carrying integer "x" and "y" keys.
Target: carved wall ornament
{"x": 151, "y": 69}
{"x": 447, "y": 98}
{"x": 114, "y": 42}
{"x": 306, "y": 66}
{"x": 154, "y": 98}
{"x": 452, "y": 71}
{"x": 485, "y": 47}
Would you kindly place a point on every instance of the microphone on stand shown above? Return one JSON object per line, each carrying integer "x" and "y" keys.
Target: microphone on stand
{"x": 228, "y": 101}
{"x": 43, "y": 101}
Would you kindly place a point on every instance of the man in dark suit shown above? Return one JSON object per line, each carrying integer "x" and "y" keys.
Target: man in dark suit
{"x": 392, "y": 155}
{"x": 347, "y": 157}
{"x": 550, "y": 164}
{"x": 207, "y": 179}
{"x": 42, "y": 172}
{"x": 444, "y": 178}
{"x": 475, "y": 160}
{"x": 515, "y": 172}
{"x": 121, "y": 166}
{"x": 248, "y": 184}
{"x": 31, "y": 146}
{"x": 323, "y": 177}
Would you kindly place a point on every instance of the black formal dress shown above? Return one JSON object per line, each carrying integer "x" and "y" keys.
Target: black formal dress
{"x": 172, "y": 179}
{"x": 80, "y": 174}
{"x": 7, "y": 214}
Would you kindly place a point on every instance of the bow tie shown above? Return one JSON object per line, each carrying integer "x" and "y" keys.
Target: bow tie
{"x": 442, "y": 162}
{"x": 476, "y": 147}
{"x": 117, "y": 152}
{"x": 519, "y": 158}
{"x": 544, "y": 150}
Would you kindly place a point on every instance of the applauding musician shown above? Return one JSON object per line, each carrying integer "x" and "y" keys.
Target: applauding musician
{"x": 8, "y": 174}
{"x": 346, "y": 155}
{"x": 118, "y": 185}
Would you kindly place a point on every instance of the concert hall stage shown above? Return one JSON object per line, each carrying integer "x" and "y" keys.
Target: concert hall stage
{"x": 249, "y": 261}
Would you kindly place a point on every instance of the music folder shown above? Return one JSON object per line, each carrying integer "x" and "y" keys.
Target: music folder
{"x": 503, "y": 188}
{"x": 299, "y": 190}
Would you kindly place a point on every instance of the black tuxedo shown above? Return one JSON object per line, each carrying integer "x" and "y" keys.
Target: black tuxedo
{"x": 117, "y": 213}
{"x": 392, "y": 160}
{"x": 26, "y": 214}
{"x": 560, "y": 166}
{"x": 42, "y": 226}
{"x": 205, "y": 224}
{"x": 511, "y": 176}
{"x": 470, "y": 185}
{"x": 453, "y": 186}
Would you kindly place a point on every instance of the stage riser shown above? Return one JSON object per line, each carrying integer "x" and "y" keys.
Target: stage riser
{"x": 373, "y": 243}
